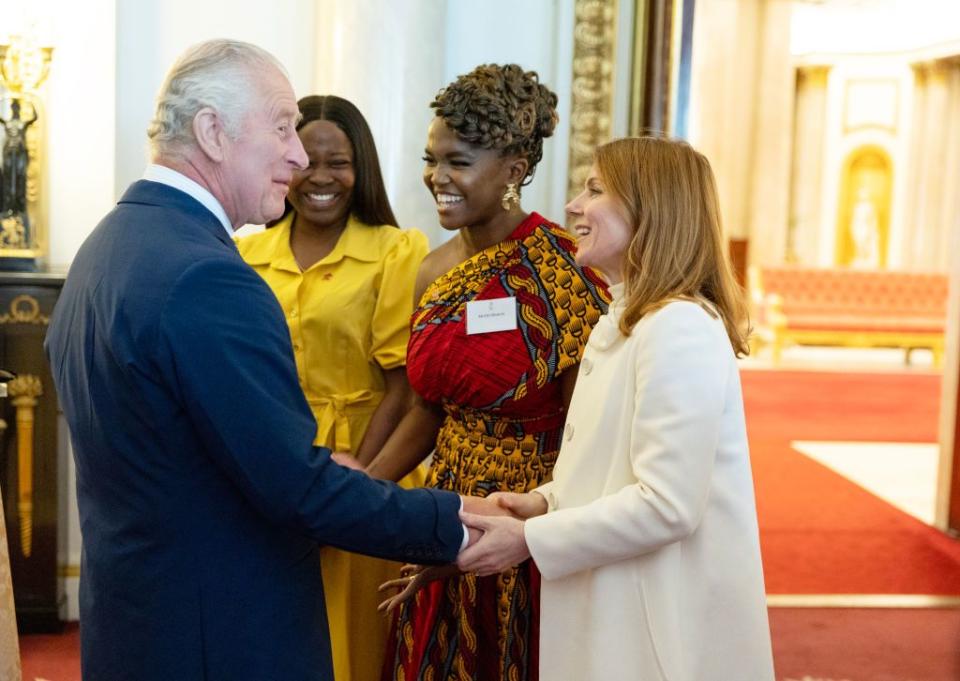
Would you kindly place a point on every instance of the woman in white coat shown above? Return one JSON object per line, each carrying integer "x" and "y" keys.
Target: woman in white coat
{"x": 647, "y": 536}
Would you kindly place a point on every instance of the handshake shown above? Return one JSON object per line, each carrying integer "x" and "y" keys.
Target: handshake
{"x": 496, "y": 542}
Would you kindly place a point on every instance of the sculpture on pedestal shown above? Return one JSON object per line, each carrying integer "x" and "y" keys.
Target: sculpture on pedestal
{"x": 15, "y": 159}
{"x": 13, "y": 181}
{"x": 23, "y": 68}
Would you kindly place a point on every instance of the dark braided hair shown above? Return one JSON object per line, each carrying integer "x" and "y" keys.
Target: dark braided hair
{"x": 500, "y": 107}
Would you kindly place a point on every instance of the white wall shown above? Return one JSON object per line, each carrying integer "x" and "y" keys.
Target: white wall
{"x": 390, "y": 58}
{"x": 150, "y": 34}
{"x": 79, "y": 105}
{"x": 858, "y": 28}
{"x": 387, "y": 58}
{"x": 537, "y": 35}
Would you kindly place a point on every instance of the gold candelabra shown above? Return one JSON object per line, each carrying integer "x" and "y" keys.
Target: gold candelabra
{"x": 24, "y": 65}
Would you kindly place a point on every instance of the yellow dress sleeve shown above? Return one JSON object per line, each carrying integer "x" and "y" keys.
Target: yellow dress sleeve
{"x": 390, "y": 327}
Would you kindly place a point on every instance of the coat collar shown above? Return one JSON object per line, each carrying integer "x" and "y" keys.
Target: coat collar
{"x": 148, "y": 193}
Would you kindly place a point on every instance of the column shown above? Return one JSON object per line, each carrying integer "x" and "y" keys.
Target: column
{"x": 769, "y": 179}
{"x": 948, "y": 489}
{"x": 807, "y": 172}
{"x": 932, "y": 121}
{"x": 741, "y": 107}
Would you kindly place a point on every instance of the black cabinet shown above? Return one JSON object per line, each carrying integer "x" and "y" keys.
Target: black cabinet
{"x": 28, "y": 449}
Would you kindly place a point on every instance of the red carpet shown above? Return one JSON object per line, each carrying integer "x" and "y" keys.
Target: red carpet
{"x": 851, "y": 644}
{"x": 820, "y": 533}
{"x": 866, "y": 645}
{"x": 53, "y": 657}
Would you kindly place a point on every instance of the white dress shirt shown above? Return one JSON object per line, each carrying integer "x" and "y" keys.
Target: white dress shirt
{"x": 172, "y": 178}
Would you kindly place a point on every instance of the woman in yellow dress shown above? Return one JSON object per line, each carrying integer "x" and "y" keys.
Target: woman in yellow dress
{"x": 344, "y": 275}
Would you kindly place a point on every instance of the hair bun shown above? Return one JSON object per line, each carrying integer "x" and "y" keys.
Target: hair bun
{"x": 500, "y": 107}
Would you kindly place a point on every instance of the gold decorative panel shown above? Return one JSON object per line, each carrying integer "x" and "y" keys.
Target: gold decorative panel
{"x": 593, "y": 71}
{"x": 24, "y": 309}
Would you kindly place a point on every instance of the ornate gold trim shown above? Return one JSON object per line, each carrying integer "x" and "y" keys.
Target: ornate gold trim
{"x": 594, "y": 35}
{"x": 861, "y": 601}
{"x": 24, "y": 391}
{"x": 68, "y": 571}
{"x": 24, "y": 309}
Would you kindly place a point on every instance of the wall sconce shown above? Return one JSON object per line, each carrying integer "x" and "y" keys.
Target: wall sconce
{"x": 24, "y": 66}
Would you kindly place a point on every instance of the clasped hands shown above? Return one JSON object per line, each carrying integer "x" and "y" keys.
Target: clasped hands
{"x": 496, "y": 542}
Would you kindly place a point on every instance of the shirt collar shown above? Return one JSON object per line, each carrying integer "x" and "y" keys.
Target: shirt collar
{"x": 172, "y": 178}
{"x": 358, "y": 241}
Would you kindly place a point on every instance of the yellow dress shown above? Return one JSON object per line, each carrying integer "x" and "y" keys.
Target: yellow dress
{"x": 349, "y": 319}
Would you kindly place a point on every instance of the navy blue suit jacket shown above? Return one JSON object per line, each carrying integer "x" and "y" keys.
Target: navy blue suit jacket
{"x": 202, "y": 500}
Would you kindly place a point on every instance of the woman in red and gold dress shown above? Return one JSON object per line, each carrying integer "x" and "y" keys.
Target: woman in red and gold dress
{"x": 503, "y": 317}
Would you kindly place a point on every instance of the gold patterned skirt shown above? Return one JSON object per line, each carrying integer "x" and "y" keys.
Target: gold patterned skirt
{"x": 465, "y": 627}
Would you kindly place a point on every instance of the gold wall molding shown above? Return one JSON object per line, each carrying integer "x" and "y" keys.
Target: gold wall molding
{"x": 24, "y": 309}
{"x": 69, "y": 570}
{"x": 861, "y": 601}
{"x": 594, "y": 35}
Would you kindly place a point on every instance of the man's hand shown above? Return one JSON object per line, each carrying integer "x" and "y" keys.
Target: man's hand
{"x": 480, "y": 506}
{"x": 521, "y": 506}
{"x": 501, "y": 546}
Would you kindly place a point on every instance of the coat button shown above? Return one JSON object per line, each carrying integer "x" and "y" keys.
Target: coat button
{"x": 568, "y": 432}
{"x": 586, "y": 366}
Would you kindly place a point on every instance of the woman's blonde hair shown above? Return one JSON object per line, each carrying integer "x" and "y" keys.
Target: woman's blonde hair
{"x": 678, "y": 250}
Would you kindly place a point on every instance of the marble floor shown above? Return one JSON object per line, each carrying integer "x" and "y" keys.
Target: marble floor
{"x": 902, "y": 474}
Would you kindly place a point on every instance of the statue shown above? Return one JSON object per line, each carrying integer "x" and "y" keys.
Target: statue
{"x": 13, "y": 197}
{"x": 23, "y": 68}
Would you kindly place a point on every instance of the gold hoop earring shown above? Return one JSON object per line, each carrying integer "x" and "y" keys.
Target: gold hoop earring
{"x": 510, "y": 196}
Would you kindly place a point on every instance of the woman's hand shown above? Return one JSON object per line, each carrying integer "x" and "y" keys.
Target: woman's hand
{"x": 412, "y": 578}
{"x": 347, "y": 461}
{"x": 521, "y": 506}
{"x": 501, "y": 546}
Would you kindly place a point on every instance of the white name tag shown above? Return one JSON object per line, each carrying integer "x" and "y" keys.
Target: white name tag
{"x": 487, "y": 316}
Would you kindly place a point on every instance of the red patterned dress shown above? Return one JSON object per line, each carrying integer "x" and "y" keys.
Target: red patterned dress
{"x": 504, "y": 420}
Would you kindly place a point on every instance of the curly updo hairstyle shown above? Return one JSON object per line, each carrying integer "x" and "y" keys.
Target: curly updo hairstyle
{"x": 500, "y": 107}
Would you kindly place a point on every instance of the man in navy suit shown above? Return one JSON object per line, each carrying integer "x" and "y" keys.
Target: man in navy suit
{"x": 202, "y": 500}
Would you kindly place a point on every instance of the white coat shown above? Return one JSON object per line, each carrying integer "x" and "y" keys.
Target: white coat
{"x": 650, "y": 553}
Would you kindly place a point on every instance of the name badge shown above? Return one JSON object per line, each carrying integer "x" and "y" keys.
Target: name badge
{"x": 488, "y": 316}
